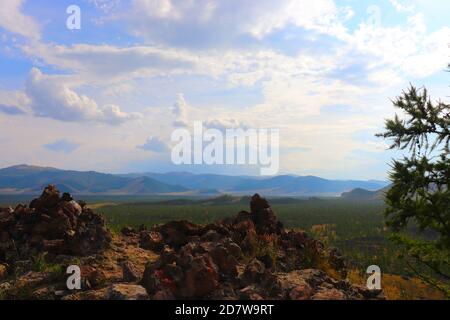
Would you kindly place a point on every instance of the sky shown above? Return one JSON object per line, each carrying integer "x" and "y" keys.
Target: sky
{"x": 108, "y": 96}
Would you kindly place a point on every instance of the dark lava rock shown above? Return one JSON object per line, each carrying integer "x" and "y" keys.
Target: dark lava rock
{"x": 52, "y": 223}
{"x": 249, "y": 256}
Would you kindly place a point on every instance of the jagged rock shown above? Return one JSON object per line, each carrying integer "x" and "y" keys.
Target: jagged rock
{"x": 301, "y": 292}
{"x": 151, "y": 240}
{"x": 293, "y": 285}
{"x": 92, "y": 277}
{"x": 225, "y": 260}
{"x": 52, "y": 223}
{"x": 128, "y": 231}
{"x": 254, "y": 271}
{"x": 201, "y": 278}
{"x": 178, "y": 233}
{"x": 262, "y": 215}
{"x": 258, "y": 204}
{"x": 249, "y": 256}
{"x": 337, "y": 261}
{"x": 130, "y": 272}
{"x": 212, "y": 261}
{"x": 121, "y": 291}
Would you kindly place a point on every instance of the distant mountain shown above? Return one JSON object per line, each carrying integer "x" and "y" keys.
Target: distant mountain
{"x": 25, "y": 179}
{"x": 196, "y": 181}
{"x": 305, "y": 185}
{"x": 363, "y": 194}
{"x": 283, "y": 185}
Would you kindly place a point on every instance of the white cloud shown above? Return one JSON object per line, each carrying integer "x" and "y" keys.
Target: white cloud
{"x": 402, "y": 7}
{"x": 409, "y": 50}
{"x": 179, "y": 111}
{"x": 51, "y": 98}
{"x": 13, "y": 20}
{"x": 154, "y": 144}
{"x": 100, "y": 63}
{"x": 224, "y": 123}
{"x": 233, "y": 47}
{"x": 13, "y": 102}
{"x": 205, "y": 22}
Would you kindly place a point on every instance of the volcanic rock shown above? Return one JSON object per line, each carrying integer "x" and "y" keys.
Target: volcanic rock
{"x": 249, "y": 256}
{"x": 130, "y": 272}
{"x": 52, "y": 223}
{"x": 122, "y": 291}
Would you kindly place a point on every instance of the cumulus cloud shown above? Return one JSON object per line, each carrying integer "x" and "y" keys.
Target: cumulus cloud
{"x": 154, "y": 144}
{"x": 13, "y": 20}
{"x": 179, "y": 111}
{"x": 63, "y": 146}
{"x": 238, "y": 49}
{"x": 410, "y": 50}
{"x": 51, "y": 98}
{"x": 206, "y": 22}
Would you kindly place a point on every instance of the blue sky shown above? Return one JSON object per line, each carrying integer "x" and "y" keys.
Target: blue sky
{"x": 323, "y": 72}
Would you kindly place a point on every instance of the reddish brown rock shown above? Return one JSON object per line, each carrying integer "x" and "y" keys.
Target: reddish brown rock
{"x": 254, "y": 271}
{"x": 52, "y": 223}
{"x": 151, "y": 240}
{"x": 202, "y": 278}
{"x": 121, "y": 291}
{"x": 329, "y": 294}
{"x": 130, "y": 272}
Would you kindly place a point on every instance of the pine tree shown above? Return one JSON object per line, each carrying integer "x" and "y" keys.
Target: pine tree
{"x": 418, "y": 201}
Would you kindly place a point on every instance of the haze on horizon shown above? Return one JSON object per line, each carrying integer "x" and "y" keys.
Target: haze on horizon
{"x": 107, "y": 97}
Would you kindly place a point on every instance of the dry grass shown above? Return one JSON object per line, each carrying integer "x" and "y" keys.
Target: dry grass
{"x": 397, "y": 287}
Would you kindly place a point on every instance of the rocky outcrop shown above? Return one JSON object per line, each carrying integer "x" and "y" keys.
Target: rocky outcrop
{"x": 249, "y": 256}
{"x": 52, "y": 223}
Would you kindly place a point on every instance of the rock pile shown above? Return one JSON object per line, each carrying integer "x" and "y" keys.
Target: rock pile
{"x": 250, "y": 256}
{"x": 51, "y": 223}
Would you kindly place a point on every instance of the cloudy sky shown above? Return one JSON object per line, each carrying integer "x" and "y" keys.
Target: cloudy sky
{"x": 108, "y": 96}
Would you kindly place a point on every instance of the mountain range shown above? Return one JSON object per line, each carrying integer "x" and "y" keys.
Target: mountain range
{"x": 26, "y": 179}
{"x": 363, "y": 194}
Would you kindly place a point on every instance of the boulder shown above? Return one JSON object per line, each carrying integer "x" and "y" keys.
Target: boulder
{"x": 151, "y": 240}
{"x": 329, "y": 294}
{"x": 92, "y": 277}
{"x": 122, "y": 291}
{"x": 254, "y": 272}
{"x": 130, "y": 272}
{"x": 128, "y": 231}
{"x": 201, "y": 278}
